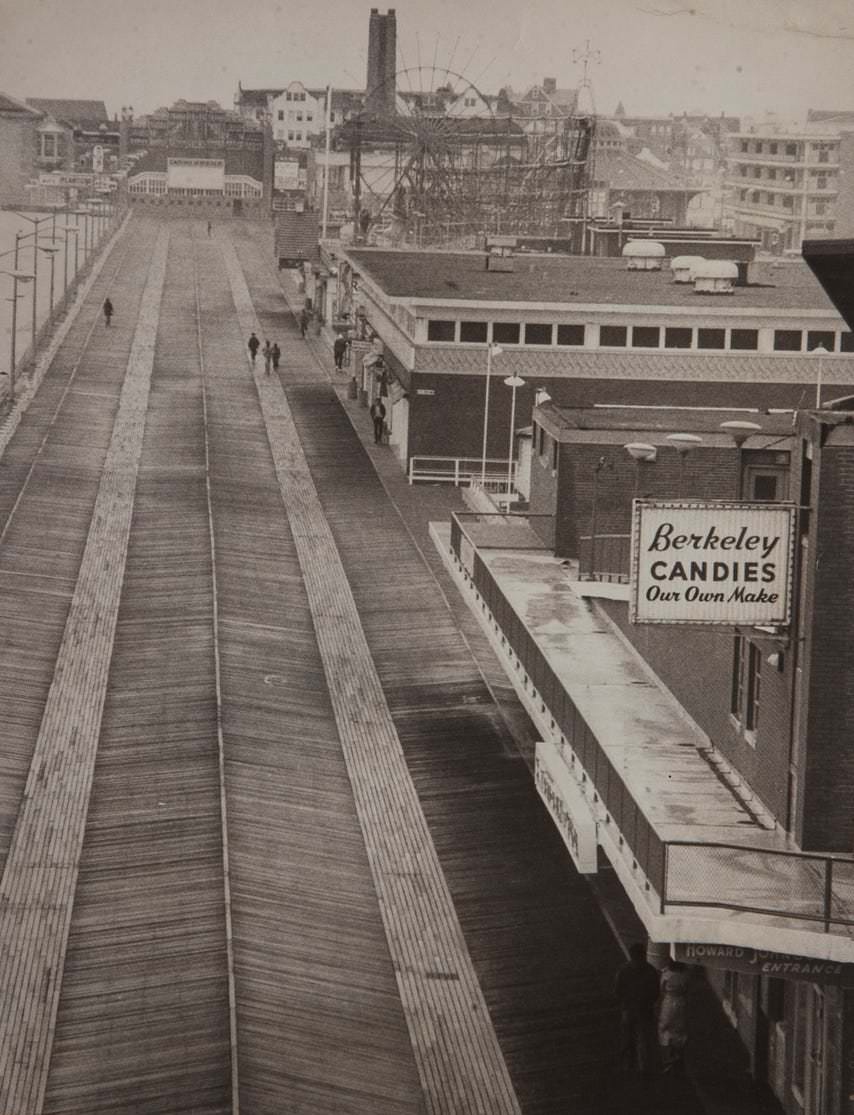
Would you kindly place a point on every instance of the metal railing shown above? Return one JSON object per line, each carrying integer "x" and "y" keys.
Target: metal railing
{"x": 458, "y": 470}
{"x": 812, "y": 887}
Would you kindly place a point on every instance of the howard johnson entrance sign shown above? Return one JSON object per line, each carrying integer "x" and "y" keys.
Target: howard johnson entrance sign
{"x": 760, "y": 962}
{"x": 711, "y": 563}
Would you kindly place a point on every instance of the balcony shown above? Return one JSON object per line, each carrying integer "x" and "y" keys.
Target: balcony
{"x": 694, "y": 852}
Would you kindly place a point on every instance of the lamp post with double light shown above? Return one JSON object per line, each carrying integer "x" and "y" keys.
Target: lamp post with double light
{"x": 513, "y": 382}
{"x": 491, "y": 350}
{"x": 50, "y": 251}
{"x": 820, "y": 352}
{"x": 17, "y": 277}
{"x": 36, "y": 222}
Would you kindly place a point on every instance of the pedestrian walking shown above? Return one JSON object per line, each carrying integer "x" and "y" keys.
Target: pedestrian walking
{"x": 339, "y": 347}
{"x": 210, "y": 228}
{"x": 276, "y": 353}
{"x": 253, "y": 346}
{"x": 303, "y": 321}
{"x": 108, "y": 312}
{"x": 377, "y": 413}
{"x": 268, "y": 356}
{"x": 673, "y": 1015}
{"x": 636, "y": 990}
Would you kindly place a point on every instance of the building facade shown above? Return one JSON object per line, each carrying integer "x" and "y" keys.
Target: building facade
{"x": 782, "y": 187}
{"x": 587, "y": 331}
{"x": 709, "y": 764}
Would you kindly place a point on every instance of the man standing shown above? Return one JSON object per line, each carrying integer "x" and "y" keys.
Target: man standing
{"x": 339, "y": 348}
{"x": 253, "y": 346}
{"x": 378, "y": 415}
{"x": 303, "y": 321}
{"x": 268, "y": 356}
{"x": 276, "y": 353}
{"x": 108, "y": 312}
{"x": 636, "y": 990}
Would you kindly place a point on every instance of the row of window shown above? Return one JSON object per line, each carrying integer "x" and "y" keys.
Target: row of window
{"x": 821, "y": 151}
{"x": 309, "y": 116}
{"x": 637, "y": 336}
{"x": 787, "y": 201}
{"x": 294, "y": 96}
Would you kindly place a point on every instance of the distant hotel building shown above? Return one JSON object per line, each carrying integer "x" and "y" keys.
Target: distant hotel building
{"x": 784, "y": 187}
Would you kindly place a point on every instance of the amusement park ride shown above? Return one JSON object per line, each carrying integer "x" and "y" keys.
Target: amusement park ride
{"x": 434, "y": 161}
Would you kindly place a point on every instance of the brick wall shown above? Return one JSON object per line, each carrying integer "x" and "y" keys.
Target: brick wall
{"x": 450, "y": 422}
{"x": 828, "y": 791}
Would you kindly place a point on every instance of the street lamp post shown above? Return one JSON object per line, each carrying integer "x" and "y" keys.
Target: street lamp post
{"x": 739, "y": 431}
{"x": 602, "y": 463}
{"x": 17, "y": 277}
{"x": 491, "y": 350}
{"x": 820, "y": 352}
{"x": 683, "y": 444}
{"x": 512, "y": 382}
{"x": 50, "y": 250}
{"x": 640, "y": 451}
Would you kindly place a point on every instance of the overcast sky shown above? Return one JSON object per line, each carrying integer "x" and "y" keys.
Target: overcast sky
{"x": 742, "y": 57}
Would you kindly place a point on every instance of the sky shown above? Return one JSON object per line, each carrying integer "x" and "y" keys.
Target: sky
{"x": 741, "y": 57}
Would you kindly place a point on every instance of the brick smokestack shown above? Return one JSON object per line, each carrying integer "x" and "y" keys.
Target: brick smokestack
{"x": 382, "y": 62}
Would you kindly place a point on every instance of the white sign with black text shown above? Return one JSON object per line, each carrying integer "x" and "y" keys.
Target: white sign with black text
{"x": 565, "y": 802}
{"x": 711, "y": 563}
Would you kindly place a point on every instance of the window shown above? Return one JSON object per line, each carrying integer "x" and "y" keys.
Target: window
{"x": 745, "y": 146}
{"x": 746, "y": 682}
{"x": 791, "y": 148}
{"x": 677, "y": 337}
{"x": 743, "y": 170}
{"x": 506, "y": 332}
{"x": 473, "y": 332}
{"x": 772, "y": 148}
{"x": 646, "y": 336}
{"x": 754, "y": 196}
{"x": 538, "y": 333}
{"x": 769, "y": 199}
{"x": 299, "y": 117}
{"x": 824, "y": 156}
{"x": 281, "y": 114}
{"x": 759, "y": 147}
{"x": 771, "y": 173}
{"x": 441, "y": 330}
{"x": 820, "y": 208}
{"x": 49, "y": 145}
{"x": 821, "y": 182}
{"x": 787, "y": 340}
{"x": 757, "y": 172}
{"x": 744, "y": 338}
{"x": 570, "y": 334}
{"x": 788, "y": 201}
{"x": 614, "y": 335}
{"x": 290, "y": 135}
{"x": 711, "y": 338}
{"x": 289, "y": 96}
{"x": 822, "y": 337}
{"x": 309, "y": 116}
{"x": 742, "y": 195}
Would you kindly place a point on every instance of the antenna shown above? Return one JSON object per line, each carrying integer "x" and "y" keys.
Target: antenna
{"x": 587, "y": 57}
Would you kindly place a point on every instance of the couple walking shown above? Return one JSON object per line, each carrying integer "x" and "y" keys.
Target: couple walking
{"x": 271, "y": 353}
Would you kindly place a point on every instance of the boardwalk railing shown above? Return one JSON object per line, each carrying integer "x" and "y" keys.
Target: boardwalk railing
{"x": 458, "y": 470}
{"x": 811, "y": 887}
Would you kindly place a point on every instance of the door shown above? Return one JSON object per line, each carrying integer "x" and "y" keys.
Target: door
{"x": 808, "y": 1054}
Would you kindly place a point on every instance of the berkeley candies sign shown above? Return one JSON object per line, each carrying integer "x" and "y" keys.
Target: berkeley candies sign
{"x": 728, "y": 563}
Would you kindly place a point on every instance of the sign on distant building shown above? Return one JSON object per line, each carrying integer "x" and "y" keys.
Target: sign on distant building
{"x": 196, "y": 174}
{"x": 287, "y": 174}
{"x": 565, "y": 802}
{"x": 711, "y": 563}
{"x": 760, "y": 962}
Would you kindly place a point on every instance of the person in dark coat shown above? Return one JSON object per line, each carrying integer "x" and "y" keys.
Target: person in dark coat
{"x": 276, "y": 353}
{"x": 378, "y": 416}
{"x": 108, "y": 312}
{"x": 339, "y": 348}
{"x": 303, "y": 321}
{"x": 253, "y": 346}
{"x": 636, "y": 990}
{"x": 268, "y": 356}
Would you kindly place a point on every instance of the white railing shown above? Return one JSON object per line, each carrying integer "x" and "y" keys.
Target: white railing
{"x": 460, "y": 470}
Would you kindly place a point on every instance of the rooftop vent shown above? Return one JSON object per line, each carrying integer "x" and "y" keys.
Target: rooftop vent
{"x": 499, "y": 253}
{"x": 643, "y": 255}
{"x": 716, "y": 276}
{"x": 683, "y": 268}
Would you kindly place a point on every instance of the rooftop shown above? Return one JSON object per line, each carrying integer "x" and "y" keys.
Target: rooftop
{"x": 73, "y": 111}
{"x": 774, "y": 426}
{"x": 579, "y": 280}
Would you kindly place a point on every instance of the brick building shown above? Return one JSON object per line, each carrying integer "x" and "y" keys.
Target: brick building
{"x": 588, "y": 331}
{"x": 708, "y": 764}
{"x": 19, "y": 148}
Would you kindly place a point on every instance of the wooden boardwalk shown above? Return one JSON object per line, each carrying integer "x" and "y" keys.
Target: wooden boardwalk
{"x": 299, "y": 866}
